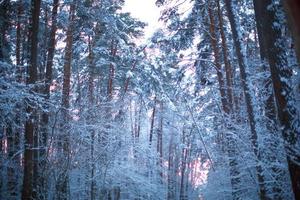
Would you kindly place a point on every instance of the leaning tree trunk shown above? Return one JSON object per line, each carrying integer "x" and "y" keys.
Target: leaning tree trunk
{"x": 246, "y": 90}
{"x": 27, "y": 191}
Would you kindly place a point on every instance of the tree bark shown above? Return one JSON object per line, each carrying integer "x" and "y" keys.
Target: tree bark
{"x": 228, "y": 69}
{"x": 217, "y": 60}
{"x": 18, "y": 41}
{"x": 27, "y": 191}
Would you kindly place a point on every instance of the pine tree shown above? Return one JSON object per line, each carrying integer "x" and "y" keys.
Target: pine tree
{"x": 30, "y": 134}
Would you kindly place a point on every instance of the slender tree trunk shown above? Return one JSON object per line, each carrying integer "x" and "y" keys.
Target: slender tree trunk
{"x": 171, "y": 175}
{"x": 182, "y": 195}
{"x": 4, "y": 25}
{"x": 132, "y": 121}
{"x": 18, "y": 41}
{"x": 27, "y": 191}
{"x": 138, "y": 130}
{"x": 62, "y": 184}
{"x": 152, "y": 122}
{"x": 228, "y": 69}
{"x": 25, "y": 40}
{"x": 160, "y": 142}
{"x": 46, "y": 91}
{"x": 249, "y": 104}
{"x": 217, "y": 60}
{"x": 136, "y": 120}
{"x": 91, "y": 116}
{"x": 44, "y": 45}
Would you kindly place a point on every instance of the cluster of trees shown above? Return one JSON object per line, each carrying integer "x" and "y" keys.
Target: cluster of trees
{"x": 207, "y": 109}
{"x": 247, "y": 50}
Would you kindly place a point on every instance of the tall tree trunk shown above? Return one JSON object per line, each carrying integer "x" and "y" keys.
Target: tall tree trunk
{"x": 27, "y": 191}
{"x": 182, "y": 194}
{"x": 259, "y": 17}
{"x": 18, "y": 41}
{"x": 46, "y": 91}
{"x": 138, "y": 130}
{"x": 4, "y": 26}
{"x": 217, "y": 60}
{"x": 171, "y": 174}
{"x": 228, "y": 69}
{"x": 91, "y": 116}
{"x": 248, "y": 100}
{"x": 270, "y": 108}
{"x": 44, "y": 44}
{"x": 64, "y": 139}
{"x": 281, "y": 75}
{"x": 160, "y": 141}
{"x": 225, "y": 99}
